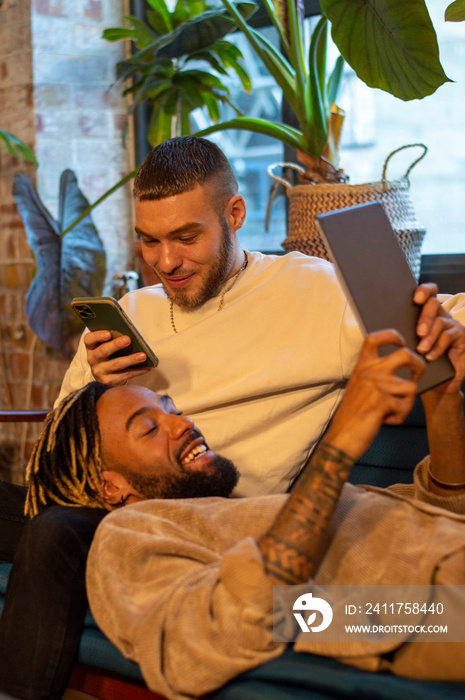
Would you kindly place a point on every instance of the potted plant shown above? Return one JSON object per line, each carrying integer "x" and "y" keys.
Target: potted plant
{"x": 390, "y": 44}
{"x": 407, "y": 65}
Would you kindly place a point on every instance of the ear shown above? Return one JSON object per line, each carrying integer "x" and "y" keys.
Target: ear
{"x": 235, "y": 212}
{"x": 116, "y": 489}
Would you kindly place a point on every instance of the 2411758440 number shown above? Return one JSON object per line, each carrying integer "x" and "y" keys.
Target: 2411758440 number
{"x": 403, "y": 608}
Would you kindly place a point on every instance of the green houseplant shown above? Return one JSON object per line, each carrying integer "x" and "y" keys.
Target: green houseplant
{"x": 178, "y": 59}
{"x": 160, "y": 72}
{"x": 390, "y": 44}
{"x": 66, "y": 266}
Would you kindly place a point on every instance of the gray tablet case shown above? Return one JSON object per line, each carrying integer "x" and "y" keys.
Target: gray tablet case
{"x": 377, "y": 278}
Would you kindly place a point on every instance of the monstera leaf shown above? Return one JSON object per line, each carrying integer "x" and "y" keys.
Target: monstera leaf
{"x": 67, "y": 265}
{"x": 390, "y": 44}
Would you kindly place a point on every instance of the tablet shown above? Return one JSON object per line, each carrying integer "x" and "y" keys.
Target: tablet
{"x": 377, "y": 278}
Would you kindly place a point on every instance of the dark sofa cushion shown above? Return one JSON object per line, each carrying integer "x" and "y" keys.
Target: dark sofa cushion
{"x": 294, "y": 676}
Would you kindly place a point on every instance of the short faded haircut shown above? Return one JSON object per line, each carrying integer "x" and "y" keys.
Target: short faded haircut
{"x": 179, "y": 164}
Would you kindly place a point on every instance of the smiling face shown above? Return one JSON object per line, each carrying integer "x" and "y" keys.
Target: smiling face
{"x": 159, "y": 452}
{"x": 191, "y": 242}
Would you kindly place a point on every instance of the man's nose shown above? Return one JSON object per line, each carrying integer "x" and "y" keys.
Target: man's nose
{"x": 169, "y": 258}
{"x": 178, "y": 425}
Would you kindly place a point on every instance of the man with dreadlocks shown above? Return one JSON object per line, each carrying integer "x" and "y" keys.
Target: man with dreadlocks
{"x": 210, "y": 562}
{"x": 69, "y": 463}
{"x": 64, "y": 467}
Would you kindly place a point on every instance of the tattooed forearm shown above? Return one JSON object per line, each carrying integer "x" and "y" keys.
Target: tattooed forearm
{"x": 294, "y": 544}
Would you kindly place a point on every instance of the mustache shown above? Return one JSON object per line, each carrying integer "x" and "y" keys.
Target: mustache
{"x": 193, "y": 435}
{"x": 175, "y": 271}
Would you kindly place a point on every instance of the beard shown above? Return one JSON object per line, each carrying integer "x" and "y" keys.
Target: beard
{"x": 186, "y": 484}
{"x": 215, "y": 276}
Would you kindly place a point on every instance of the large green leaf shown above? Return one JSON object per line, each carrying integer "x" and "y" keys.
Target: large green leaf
{"x": 315, "y": 124}
{"x": 195, "y": 34}
{"x": 205, "y": 29}
{"x": 335, "y": 79}
{"x": 456, "y": 11}
{"x": 391, "y": 45}
{"x": 161, "y": 19}
{"x": 286, "y": 134}
{"x": 67, "y": 264}
{"x": 139, "y": 32}
{"x": 230, "y": 55}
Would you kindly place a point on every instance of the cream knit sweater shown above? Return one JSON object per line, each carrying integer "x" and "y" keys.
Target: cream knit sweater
{"x": 180, "y": 586}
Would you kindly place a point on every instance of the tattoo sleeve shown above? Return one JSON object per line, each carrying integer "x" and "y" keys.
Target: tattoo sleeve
{"x": 294, "y": 544}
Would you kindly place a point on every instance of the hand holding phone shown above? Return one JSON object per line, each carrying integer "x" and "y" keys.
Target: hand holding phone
{"x": 116, "y": 351}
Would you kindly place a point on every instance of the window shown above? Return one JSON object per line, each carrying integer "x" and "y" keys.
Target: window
{"x": 378, "y": 123}
{"x": 250, "y": 154}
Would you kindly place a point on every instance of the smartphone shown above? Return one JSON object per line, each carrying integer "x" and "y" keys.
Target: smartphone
{"x": 377, "y": 278}
{"x": 105, "y": 314}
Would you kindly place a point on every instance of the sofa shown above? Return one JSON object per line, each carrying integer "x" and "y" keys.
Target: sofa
{"x": 102, "y": 671}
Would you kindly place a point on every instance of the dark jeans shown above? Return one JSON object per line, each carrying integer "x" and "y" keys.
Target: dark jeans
{"x": 12, "y": 520}
{"x": 46, "y": 601}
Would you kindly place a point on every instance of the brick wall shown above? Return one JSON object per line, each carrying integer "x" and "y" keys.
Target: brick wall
{"x": 79, "y": 116}
{"x": 55, "y": 74}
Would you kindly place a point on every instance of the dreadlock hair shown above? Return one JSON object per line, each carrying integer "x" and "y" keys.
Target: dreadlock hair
{"x": 179, "y": 164}
{"x": 65, "y": 465}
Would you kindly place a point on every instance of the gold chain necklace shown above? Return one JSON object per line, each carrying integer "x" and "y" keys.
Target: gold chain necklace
{"x": 221, "y": 304}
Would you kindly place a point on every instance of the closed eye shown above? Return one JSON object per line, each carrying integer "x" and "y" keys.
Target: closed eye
{"x": 168, "y": 405}
{"x": 149, "y": 241}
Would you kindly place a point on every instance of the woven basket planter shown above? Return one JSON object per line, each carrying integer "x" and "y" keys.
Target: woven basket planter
{"x": 305, "y": 201}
